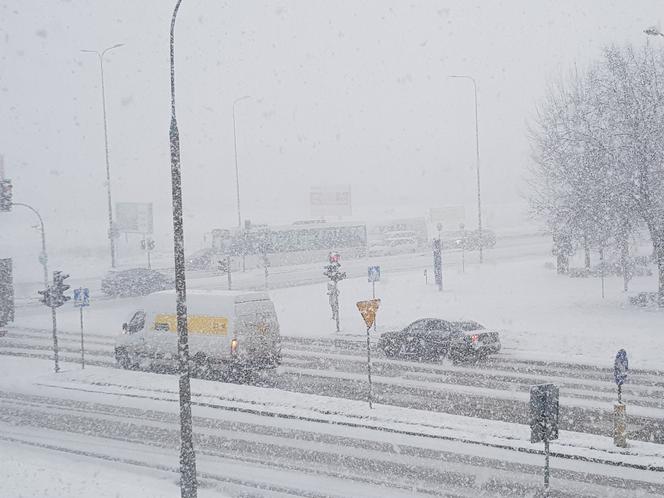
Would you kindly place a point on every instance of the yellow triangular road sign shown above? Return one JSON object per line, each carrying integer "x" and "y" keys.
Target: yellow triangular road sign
{"x": 368, "y": 310}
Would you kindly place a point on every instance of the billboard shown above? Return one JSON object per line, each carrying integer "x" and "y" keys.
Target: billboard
{"x": 330, "y": 200}
{"x": 133, "y": 217}
{"x": 449, "y": 216}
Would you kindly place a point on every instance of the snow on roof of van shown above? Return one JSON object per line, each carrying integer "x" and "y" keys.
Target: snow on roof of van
{"x": 237, "y": 296}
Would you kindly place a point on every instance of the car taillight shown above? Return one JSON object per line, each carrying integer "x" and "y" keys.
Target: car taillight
{"x": 234, "y": 345}
{"x": 474, "y": 338}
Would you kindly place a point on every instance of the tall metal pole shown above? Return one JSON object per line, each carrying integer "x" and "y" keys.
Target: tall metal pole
{"x": 188, "y": 483}
{"x": 43, "y": 259}
{"x": 237, "y": 171}
{"x": 80, "y": 309}
{"x": 370, "y": 394}
{"x": 477, "y": 161}
{"x": 111, "y": 232}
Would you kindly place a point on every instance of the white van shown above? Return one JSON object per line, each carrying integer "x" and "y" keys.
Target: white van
{"x": 228, "y": 330}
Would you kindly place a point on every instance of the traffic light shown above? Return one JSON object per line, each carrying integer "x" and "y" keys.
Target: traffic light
{"x": 59, "y": 288}
{"x": 222, "y": 266}
{"x": 332, "y": 269}
{"x": 46, "y": 297}
{"x": 151, "y": 245}
{"x": 5, "y": 195}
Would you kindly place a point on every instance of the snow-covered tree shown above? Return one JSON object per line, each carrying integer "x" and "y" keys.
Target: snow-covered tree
{"x": 598, "y": 149}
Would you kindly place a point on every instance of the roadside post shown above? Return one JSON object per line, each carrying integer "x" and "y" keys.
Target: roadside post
{"x": 148, "y": 245}
{"x": 463, "y": 247}
{"x": 82, "y": 300}
{"x": 368, "y": 311}
{"x": 373, "y": 277}
{"x": 426, "y": 277}
{"x": 544, "y": 407}
{"x": 438, "y": 264}
{"x": 438, "y": 258}
{"x": 224, "y": 266}
{"x": 53, "y": 296}
{"x": 620, "y": 367}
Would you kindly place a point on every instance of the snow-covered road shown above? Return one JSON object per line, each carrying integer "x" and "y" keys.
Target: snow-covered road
{"x": 275, "y": 443}
{"x": 496, "y": 389}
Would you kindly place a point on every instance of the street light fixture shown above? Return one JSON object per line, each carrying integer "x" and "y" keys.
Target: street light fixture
{"x": 653, "y": 31}
{"x": 477, "y": 158}
{"x": 111, "y": 231}
{"x": 237, "y": 171}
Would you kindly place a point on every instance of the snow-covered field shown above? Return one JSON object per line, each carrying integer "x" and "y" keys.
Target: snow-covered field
{"x": 540, "y": 314}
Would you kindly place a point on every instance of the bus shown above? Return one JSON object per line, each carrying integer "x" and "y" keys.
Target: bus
{"x": 292, "y": 244}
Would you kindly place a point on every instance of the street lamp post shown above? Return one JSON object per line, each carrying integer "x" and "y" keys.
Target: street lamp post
{"x": 237, "y": 171}
{"x": 111, "y": 232}
{"x": 237, "y": 186}
{"x": 188, "y": 483}
{"x": 477, "y": 162}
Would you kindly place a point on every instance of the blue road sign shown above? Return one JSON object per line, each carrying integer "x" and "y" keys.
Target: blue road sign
{"x": 81, "y": 297}
{"x": 620, "y": 367}
{"x": 374, "y": 273}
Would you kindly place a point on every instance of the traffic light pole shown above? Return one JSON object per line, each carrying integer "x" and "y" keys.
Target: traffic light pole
{"x": 43, "y": 258}
{"x": 55, "y": 340}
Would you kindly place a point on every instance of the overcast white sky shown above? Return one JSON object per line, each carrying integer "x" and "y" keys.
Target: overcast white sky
{"x": 342, "y": 92}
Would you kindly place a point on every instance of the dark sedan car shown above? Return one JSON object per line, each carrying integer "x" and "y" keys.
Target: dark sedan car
{"x": 135, "y": 282}
{"x": 433, "y": 339}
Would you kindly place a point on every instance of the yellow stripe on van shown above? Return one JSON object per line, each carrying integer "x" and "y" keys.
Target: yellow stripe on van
{"x": 196, "y": 324}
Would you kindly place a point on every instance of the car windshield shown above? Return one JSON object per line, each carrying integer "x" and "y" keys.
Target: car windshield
{"x": 344, "y": 249}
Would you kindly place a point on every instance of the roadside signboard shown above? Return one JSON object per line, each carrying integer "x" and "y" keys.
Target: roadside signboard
{"x": 330, "y": 200}
{"x": 368, "y": 310}
{"x": 133, "y": 217}
{"x": 81, "y": 297}
{"x": 374, "y": 274}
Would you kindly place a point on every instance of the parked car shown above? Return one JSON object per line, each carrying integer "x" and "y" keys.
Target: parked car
{"x": 205, "y": 259}
{"x": 473, "y": 239}
{"x": 135, "y": 282}
{"x": 468, "y": 239}
{"x": 433, "y": 339}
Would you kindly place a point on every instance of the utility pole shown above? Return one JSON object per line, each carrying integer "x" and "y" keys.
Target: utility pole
{"x": 188, "y": 482}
